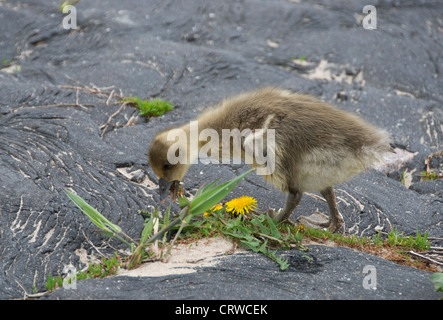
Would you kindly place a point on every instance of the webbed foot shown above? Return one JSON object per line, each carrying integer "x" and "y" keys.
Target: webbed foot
{"x": 318, "y": 220}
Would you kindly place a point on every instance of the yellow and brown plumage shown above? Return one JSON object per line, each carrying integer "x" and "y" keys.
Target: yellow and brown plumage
{"x": 316, "y": 144}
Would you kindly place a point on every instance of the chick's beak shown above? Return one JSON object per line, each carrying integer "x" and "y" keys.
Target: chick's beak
{"x": 166, "y": 187}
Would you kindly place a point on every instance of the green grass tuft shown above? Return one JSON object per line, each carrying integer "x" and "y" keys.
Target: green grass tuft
{"x": 150, "y": 108}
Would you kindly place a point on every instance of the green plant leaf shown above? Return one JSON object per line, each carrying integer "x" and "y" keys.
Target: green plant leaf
{"x": 274, "y": 232}
{"x": 258, "y": 221}
{"x": 205, "y": 187}
{"x": 147, "y": 230}
{"x": 211, "y": 196}
{"x": 95, "y": 216}
{"x": 166, "y": 221}
{"x": 107, "y": 233}
{"x": 183, "y": 202}
{"x": 437, "y": 279}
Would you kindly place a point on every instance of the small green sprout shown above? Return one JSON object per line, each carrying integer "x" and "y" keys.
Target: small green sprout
{"x": 64, "y": 4}
{"x": 150, "y": 108}
{"x": 429, "y": 175}
{"x": 54, "y": 282}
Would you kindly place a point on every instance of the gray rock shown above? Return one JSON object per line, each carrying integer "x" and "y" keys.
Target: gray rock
{"x": 330, "y": 273}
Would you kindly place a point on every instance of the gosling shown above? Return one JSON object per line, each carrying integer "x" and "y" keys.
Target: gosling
{"x": 316, "y": 146}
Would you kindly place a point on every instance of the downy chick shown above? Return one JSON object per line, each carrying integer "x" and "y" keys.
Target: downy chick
{"x": 315, "y": 146}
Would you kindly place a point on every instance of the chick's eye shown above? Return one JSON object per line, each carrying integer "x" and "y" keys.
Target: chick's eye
{"x": 167, "y": 166}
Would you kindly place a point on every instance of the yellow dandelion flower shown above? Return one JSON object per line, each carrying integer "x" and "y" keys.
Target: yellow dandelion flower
{"x": 301, "y": 228}
{"x": 240, "y": 205}
{"x": 214, "y": 208}
{"x": 218, "y": 206}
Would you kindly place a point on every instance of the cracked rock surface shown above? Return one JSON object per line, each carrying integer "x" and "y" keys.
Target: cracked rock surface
{"x": 195, "y": 53}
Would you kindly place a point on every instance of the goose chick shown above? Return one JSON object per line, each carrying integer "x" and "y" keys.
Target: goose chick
{"x": 315, "y": 146}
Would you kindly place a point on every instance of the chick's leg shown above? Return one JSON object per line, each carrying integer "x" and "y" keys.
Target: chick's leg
{"x": 336, "y": 220}
{"x": 291, "y": 202}
{"x": 318, "y": 220}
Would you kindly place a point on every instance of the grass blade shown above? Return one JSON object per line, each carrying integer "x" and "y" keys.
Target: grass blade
{"x": 95, "y": 216}
{"x": 107, "y": 227}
